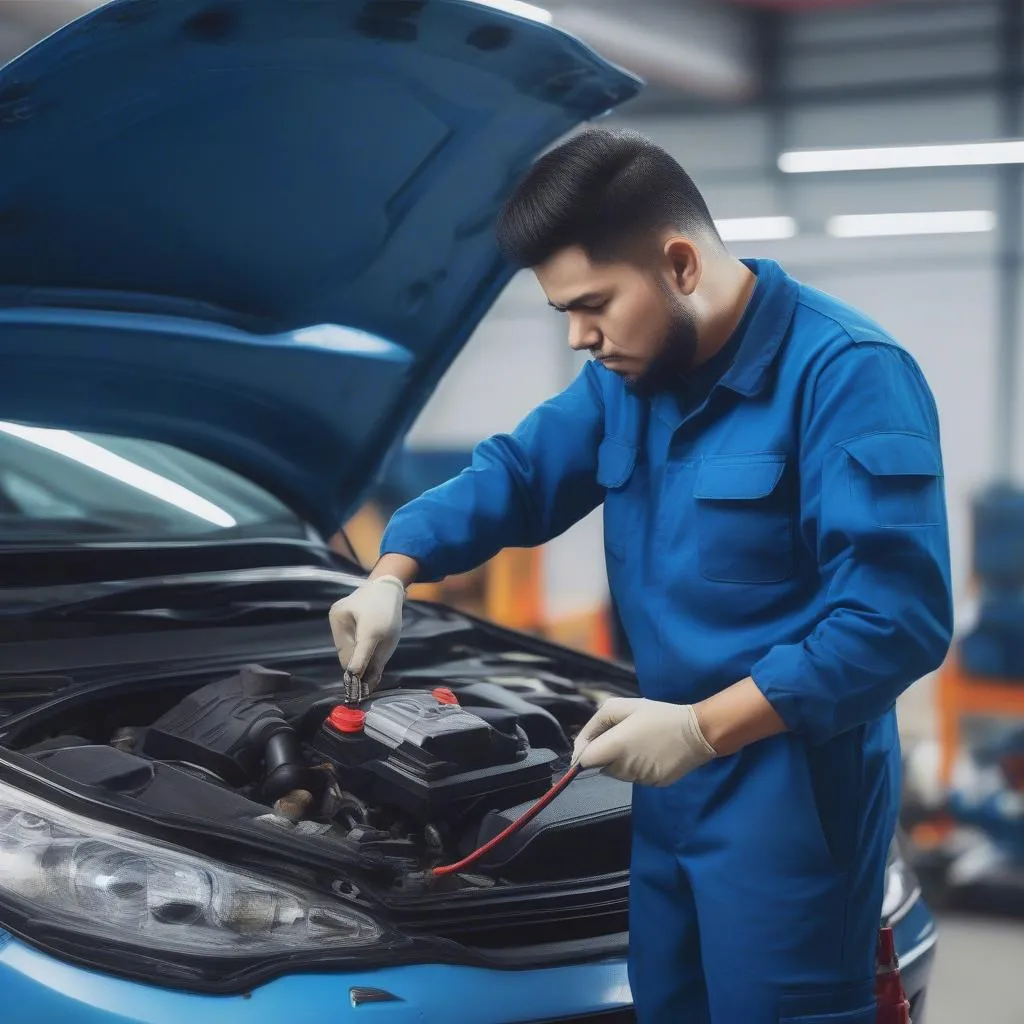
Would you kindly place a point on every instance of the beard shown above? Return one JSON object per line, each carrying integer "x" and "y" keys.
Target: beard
{"x": 676, "y": 359}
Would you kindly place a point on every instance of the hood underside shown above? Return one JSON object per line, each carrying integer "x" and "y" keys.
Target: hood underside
{"x": 262, "y": 231}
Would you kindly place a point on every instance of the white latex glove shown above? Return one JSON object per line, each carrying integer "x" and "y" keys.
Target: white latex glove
{"x": 644, "y": 741}
{"x": 366, "y": 626}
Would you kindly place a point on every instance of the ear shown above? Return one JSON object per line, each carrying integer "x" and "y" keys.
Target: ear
{"x": 682, "y": 258}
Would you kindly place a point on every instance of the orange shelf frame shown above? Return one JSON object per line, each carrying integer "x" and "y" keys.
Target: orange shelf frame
{"x": 961, "y": 695}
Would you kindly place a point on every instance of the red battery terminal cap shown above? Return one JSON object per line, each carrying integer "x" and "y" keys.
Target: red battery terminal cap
{"x": 444, "y": 696}
{"x": 347, "y": 720}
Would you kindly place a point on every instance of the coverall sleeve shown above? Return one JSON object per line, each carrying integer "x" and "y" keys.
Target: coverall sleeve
{"x": 873, "y": 512}
{"x": 520, "y": 490}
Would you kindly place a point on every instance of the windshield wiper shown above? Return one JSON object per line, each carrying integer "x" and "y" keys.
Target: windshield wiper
{"x": 203, "y": 598}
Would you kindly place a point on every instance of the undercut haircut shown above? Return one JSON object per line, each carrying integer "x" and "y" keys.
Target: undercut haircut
{"x": 607, "y": 191}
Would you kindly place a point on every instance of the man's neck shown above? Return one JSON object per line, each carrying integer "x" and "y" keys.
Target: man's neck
{"x": 729, "y": 285}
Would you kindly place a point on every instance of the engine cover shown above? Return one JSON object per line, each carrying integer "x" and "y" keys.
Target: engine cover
{"x": 588, "y": 824}
{"x": 432, "y": 758}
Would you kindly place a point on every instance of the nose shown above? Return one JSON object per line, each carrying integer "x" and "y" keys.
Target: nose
{"x": 583, "y": 333}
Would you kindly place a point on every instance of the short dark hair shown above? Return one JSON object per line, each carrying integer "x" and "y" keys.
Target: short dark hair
{"x": 603, "y": 189}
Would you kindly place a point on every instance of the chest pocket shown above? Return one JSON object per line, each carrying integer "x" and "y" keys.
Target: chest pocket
{"x": 616, "y": 461}
{"x": 745, "y": 523}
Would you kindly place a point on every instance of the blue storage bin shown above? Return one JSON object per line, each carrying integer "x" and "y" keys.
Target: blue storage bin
{"x": 996, "y": 817}
{"x": 998, "y": 537}
{"x": 995, "y": 646}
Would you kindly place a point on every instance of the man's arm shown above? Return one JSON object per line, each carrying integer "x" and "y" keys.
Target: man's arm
{"x": 737, "y": 716}
{"x": 874, "y": 511}
{"x": 520, "y": 490}
{"x": 402, "y": 567}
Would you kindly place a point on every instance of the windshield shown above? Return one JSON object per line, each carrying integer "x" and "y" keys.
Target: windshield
{"x": 57, "y": 486}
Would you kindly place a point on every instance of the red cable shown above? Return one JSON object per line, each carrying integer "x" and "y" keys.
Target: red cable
{"x": 527, "y": 815}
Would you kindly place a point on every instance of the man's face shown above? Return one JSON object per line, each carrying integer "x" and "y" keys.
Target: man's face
{"x": 626, "y": 316}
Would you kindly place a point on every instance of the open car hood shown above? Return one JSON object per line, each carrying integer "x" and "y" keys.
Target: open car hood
{"x": 261, "y": 230}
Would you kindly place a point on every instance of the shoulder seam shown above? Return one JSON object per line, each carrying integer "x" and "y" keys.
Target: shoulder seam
{"x": 867, "y": 338}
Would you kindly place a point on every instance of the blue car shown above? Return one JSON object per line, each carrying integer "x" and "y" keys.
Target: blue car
{"x": 240, "y": 243}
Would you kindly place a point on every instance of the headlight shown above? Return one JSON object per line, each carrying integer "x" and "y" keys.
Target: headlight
{"x": 901, "y": 889}
{"x": 109, "y": 884}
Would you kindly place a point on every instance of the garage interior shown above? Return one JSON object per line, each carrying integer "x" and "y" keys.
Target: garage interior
{"x": 873, "y": 147}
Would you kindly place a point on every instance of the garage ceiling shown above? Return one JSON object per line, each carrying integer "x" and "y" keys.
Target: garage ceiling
{"x": 806, "y": 6}
{"x": 691, "y": 52}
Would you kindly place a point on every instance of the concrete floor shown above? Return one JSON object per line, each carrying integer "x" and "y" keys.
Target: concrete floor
{"x": 979, "y": 972}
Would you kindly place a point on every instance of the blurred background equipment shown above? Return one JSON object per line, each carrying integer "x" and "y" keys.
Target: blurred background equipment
{"x": 965, "y": 792}
{"x": 876, "y": 149}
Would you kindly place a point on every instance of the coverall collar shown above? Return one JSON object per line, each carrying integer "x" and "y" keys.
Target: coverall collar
{"x": 765, "y": 332}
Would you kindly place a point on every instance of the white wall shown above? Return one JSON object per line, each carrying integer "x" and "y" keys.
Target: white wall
{"x": 1018, "y": 426}
{"x": 515, "y": 360}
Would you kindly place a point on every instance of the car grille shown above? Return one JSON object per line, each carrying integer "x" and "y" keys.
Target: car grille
{"x": 583, "y": 913}
{"x": 522, "y": 935}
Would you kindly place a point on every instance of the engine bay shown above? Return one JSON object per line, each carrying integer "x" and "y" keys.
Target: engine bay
{"x": 419, "y": 774}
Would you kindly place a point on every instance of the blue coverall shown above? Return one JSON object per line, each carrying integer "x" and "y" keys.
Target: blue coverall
{"x": 784, "y": 520}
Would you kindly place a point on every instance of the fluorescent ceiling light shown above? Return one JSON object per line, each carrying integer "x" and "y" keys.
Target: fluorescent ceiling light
{"x": 874, "y": 225}
{"x": 524, "y": 10}
{"x": 755, "y": 229}
{"x": 73, "y": 447}
{"x": 967, "y": 154}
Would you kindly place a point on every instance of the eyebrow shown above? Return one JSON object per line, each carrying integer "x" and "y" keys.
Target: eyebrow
{"x": 581, "y": 300}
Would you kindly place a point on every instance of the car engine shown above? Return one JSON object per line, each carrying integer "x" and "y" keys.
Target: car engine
{"x": 418, "y": 775}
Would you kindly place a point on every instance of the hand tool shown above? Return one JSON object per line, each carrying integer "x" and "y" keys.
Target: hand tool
{"x": 355, "y": 690}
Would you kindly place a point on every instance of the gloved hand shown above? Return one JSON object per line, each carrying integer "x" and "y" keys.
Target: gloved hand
{"x": 644, "y": 741}
{"x": 366, "y": 626}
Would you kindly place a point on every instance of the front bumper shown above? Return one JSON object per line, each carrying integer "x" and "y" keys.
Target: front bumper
{"x": 36, "y": 988}
{"x": 916, "y": 939}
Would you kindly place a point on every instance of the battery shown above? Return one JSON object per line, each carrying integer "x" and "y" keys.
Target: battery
{"x": 422, "y": 752}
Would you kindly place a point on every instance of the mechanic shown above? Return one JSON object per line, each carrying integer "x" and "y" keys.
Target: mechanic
{"x": 776, "y": 542}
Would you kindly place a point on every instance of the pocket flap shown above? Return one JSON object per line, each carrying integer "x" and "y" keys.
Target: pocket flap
{"x": 615, "y": 463}
{"x": 739, "y": 478}
{"x": 896, "y": 454}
